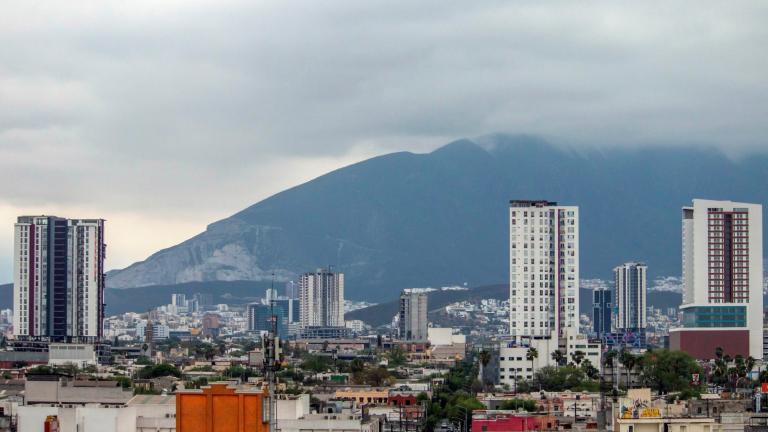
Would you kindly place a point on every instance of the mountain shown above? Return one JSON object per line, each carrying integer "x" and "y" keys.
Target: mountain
{"x": 382, "y": 313}
{"x": 413, "y": 220}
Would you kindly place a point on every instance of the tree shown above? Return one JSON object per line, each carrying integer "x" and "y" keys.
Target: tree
{"x": 356, "y": 365}
{"x": 568, "y": 377}
{"x": 515, "y": 404}
{"x": 628, "y": 360}
{"x": 373, "y": 376}
{"x": 668, "y": 371}
{"x": 315, "y": 364}
{"x": 397, "y": 357}
{"x": 159, "y": 370}
{"x": 558, "y": 357}
{"x": 578, "y": 357}
{"x": 531, "y": 355}
{"x": 590, "y": 370}
{"x": 143, "y": 360}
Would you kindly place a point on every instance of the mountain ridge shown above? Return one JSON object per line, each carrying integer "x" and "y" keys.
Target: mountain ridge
{"x": 409, "y": 220}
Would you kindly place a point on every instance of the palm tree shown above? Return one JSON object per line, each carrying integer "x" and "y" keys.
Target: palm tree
{"x": 719, "y": 352}
{"x": 578, "y": 357}
{"x": 532, "y": 355}
{"x": 750, "y": 363}
{"x": 628, "y": 360}
{"x": 558, "y": 357}
{"x": 609, "y": 361}
{"x": 485, "y": 357}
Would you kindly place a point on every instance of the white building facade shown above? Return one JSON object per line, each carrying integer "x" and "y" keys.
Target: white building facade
{"x": 544, "y": 268}
{"x": 722, "y": 258}
{"x": 321, "y": 295}
{"x": 58, "y": 277}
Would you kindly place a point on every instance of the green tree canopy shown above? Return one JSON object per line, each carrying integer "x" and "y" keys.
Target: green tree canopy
{"x": 668, "y": 371}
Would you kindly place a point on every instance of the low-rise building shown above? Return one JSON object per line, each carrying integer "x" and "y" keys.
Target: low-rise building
{"x": 666, "y": 424}
{"x": 364, "y": 395}
{"x": 80, "y": 355}
{"x": 143, "y": 413}
{"x": 511, "y": 421}
{"x": 221, "y": 407}
{"x": 60, "y": 390}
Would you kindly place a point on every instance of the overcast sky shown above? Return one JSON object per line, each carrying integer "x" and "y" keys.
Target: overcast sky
{"x": 163, "y": 116}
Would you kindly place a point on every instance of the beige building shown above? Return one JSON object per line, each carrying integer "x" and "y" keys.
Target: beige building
{"x": 364, "y": 395}
{"x": 665, "y": 424}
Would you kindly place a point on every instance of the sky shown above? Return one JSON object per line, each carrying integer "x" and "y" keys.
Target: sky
{"x": 164, "y": 116}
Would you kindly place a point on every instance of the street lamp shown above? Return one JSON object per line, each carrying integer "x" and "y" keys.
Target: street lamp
{"x": 466, "y": 417}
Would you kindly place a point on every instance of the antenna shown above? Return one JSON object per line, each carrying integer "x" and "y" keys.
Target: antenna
{"x": 271, "y": 357}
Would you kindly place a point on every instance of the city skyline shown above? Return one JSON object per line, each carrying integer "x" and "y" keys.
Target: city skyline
{"x": 171, "y": 113}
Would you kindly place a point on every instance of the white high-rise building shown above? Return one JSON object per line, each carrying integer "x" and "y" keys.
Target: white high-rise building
{"x": 544, "y": 268}
{"x": 722, "y": 279}
{"x": 631, "y": 285}
{"x": 321, "y": 295}
{"x": 58, "y": 280}
{"x": 413, "y": 316}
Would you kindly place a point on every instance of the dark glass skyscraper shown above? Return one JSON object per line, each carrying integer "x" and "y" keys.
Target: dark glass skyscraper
{"x": 602, "y": 311}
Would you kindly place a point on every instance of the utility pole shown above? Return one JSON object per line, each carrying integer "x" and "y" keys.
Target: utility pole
{"x": 271, "y": 343}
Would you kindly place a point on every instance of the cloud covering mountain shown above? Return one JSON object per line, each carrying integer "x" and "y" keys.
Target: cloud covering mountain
{"x": 406, "y": 220}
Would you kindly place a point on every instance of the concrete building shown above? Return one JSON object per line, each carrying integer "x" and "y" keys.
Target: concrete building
{"x": 667, "y": 424}
{"x": 143, "y": 413}
{"x": 220, "y": 407}
{"x": 602, "y": 308}
{"x": 630, "y": 283}
{"x": 80, "y": 355}
{"x": 722, "y": 280}
{"x": 514, "y": 364}
{"x": 58, "y": 390}
{"x": 58, "y": 278}
{"x": 445, "y": 345}
{"x": 349, "y": 421}
{"x": 574, "y": 342}
{"x": 413, "y": 316}
{"x": 544, "y": 268}
{"x": 321, "y": 294}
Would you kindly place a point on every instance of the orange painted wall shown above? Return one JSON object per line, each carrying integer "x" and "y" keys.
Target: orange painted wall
{"x": 219, "y": 408}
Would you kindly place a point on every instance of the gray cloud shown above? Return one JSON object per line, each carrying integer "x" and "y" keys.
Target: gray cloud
{"x": 192, "y": 110}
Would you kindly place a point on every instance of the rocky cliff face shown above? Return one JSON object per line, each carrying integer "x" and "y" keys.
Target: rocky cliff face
{"x": 405, "y": 220}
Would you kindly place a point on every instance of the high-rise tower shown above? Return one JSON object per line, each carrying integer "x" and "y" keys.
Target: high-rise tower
{"x": 321, "y": 295}
{"x": 630, "y": 282}
{"x": 544, "y": 268}
{"x": 722, "y": 279}
{"x": 413, "y": 316}
{"x": 58, "y": 289}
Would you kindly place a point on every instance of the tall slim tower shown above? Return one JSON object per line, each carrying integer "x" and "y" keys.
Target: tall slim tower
{"x": 722, "y": 279}
{"x": 630, "y": 282}
{"x": 602, "y": 311}
{"x": 58, "y": 289}
{"x": 544, "y": 268}
{"x": 413, "y": 316}
{"x": 321, "y": 295}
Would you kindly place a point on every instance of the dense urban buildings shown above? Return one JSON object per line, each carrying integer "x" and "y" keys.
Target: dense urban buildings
{"x": 544, "y": 268}
{"x": 260, "y": 317}
{"x": 722, "y": 279}
{"x": 413, "y": 315}
{"x": 58, "y": 278}
{"x": 321, "y": 294}
{"x": 630, "y": 282}
{"x": 601, "y": 311}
